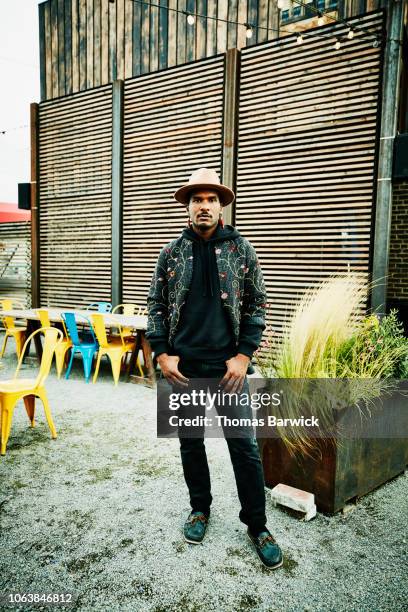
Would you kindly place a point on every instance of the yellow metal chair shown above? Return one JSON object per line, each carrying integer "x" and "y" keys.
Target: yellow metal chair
{"x": 11, "y": 391}
{"x": 129, "y": 310}
{"x": 18, "y": 333}
{"x": 128, "y": 333}
{"x": 114, "y": 348}
{"x": 62, "y": 348}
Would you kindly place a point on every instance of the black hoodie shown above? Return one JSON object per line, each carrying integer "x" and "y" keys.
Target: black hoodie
{"x": 204, "y": 330}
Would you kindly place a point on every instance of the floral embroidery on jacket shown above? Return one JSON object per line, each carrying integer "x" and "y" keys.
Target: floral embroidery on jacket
{"x": 241, "y": 283}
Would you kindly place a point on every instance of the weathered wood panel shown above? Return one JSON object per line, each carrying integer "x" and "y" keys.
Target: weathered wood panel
{"x": 154, "y": 38}
{"x": 163, "y": 34}
{"x": 181, "y": 33}
{"x": 60, "y": 16}
{"x": 191, "y": 34}
{"x": 93, "y": 42}
{"x": 42, "y": 39}
{"x": 172, "y": 125}
{"x": 75, "y": 46}
{"x": 75, "y": 156}
{"x": 104, "y": 41}
{"x": 308, "y": 118}
{"x": 57, "y": 87}
{"x": 90, "y": 55}
{"x": 120, "y": 38}
{"x": 128, "y": 17}
{"x": 83, "y": 46}
{"x": 97, "y": 43}
{"x": 68, "y": 47}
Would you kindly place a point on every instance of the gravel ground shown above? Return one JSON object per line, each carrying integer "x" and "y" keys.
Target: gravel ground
{"x": 99, "y": 512}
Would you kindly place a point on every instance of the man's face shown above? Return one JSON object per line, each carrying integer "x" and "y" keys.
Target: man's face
{"x": 204, "y": 209}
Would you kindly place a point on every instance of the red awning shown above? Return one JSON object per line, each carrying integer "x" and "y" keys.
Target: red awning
{"x": 11, "y": 212}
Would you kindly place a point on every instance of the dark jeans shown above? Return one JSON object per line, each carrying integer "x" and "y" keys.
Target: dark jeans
{"x": 244, "y": 453}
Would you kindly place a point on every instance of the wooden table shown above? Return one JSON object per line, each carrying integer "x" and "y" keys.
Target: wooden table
{"x": 136, "y": 322}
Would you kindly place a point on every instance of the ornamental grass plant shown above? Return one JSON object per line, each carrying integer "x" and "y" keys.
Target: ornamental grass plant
{"x": 329, "y": 336}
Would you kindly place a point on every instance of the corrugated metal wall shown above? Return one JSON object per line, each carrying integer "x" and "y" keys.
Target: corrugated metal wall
{"x": 15, "y": 261}
{"x": 306, "y": 159}
{"x": 75, "y": 154}
{"x": 172, "y": 125}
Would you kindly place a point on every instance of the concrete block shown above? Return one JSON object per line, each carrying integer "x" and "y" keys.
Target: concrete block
{"x": 299, "y": 500}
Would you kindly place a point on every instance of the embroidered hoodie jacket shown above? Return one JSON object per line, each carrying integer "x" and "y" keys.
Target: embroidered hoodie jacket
{"x": 241, "y": 286}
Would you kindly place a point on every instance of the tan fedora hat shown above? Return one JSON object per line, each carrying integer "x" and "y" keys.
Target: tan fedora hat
{"x": 204, "y": 178}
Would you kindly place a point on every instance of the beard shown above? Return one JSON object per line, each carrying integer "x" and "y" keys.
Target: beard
{"x": 205, "y": 224}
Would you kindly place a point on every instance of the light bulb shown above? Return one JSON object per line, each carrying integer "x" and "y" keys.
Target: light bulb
{"x": 249, "y": 32}
{"x": 350, "y": 34}
{"x": 299, "y": 39}
{"x": 337, "y": 45}
{"x": 320, "y": 20}
{"x": 190, "y": 19}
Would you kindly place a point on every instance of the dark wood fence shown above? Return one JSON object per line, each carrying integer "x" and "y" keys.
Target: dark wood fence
{"x": 88, "y": 43}
{"x": 172, "y": 124}
{"x": 75, "y": 158}
{"x": 306, "y": 167}
{"x": 308, "y": 119}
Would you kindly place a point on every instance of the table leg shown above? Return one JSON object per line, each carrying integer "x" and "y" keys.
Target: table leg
{"x": 32, "y": 325}
{"x": 133, "y": 356}
{"x": 142, "y": 344}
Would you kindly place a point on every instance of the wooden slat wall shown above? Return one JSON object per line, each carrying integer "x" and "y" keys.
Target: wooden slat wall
{"x": 15, "y": 261}
{"x": 75, "y": 144}
{"x": 306, "y": 160}
{"x": 87, "y": 43}
{"x": 172, "y": 125}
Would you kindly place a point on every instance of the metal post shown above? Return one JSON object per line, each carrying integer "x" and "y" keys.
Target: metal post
{"x": 389, "y": 116}
{"x": 230, "y": 122}
{"x": 117, "y": 190}
{"x": 35, "y": 242}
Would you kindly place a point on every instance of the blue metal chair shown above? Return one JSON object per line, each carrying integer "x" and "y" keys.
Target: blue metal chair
{"x": 101, "y": 306}
{"x": 87, "y": 348}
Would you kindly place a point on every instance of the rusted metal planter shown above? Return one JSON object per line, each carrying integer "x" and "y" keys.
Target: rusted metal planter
{"x": 342, "y": 471}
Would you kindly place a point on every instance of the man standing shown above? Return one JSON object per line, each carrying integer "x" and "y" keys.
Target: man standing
{"x": 206, "y": 315}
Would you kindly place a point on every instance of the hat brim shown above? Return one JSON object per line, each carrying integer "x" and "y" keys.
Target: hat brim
{"x": 182, "y": 195}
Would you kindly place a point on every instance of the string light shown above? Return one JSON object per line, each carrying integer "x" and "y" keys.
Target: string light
{"x": 299, "y": 39}
{"x": 350, "y": 34}
{"x": 363, "y": 31}
{"x": 249, "y": 31}
{"x": 190, "y": 19}
{"x": 320, "y": 20}
{"x": 337, "y": 44}
{"x": 280, "y": 5}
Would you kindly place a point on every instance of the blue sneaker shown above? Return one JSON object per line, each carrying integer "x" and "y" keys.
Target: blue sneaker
{"x": 267, "y": 549}
{"x": 195, "y": 527}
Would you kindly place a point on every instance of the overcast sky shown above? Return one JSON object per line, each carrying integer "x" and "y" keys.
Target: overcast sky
{"x": 20, "y": 85}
